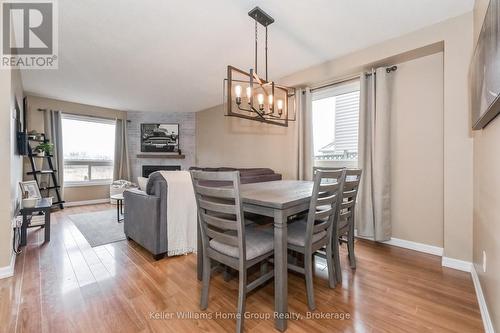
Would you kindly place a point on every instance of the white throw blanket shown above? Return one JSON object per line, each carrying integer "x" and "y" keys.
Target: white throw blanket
{"x": 181, "y": 213}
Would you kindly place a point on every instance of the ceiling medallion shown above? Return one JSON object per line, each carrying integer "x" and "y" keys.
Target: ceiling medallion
{"x": 248, "y": 96}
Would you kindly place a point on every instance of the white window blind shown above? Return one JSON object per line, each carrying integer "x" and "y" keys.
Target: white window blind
{"x": 88, "y": 149}
{"x": 335, "y": 123}
{"x": 346, "y": 121}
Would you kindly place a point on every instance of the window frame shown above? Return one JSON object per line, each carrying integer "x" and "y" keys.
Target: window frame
{"x": 333, "y": 91}
{"x": 89, "y": 163}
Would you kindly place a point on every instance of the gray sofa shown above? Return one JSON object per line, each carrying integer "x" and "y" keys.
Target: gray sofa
{"x": 145, "y": 212}
{"x": 145, "y": 216}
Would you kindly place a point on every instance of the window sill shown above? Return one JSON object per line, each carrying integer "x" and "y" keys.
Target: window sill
{"x": 336, "y": 163}
{"x": 85, "y": 184}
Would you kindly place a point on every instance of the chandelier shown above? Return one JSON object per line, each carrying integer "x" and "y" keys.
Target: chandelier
{"x": 248, "y": 96}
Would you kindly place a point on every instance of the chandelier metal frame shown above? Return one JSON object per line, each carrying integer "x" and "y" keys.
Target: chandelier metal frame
{"x": 280, "y": 99}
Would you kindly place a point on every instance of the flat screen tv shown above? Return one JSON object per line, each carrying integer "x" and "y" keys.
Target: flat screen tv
{"x": 485, "y": 70}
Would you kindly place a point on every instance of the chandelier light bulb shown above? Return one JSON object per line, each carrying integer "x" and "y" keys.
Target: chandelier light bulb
{"x": 279, "y": 103}
{"x": 260, "y": 99}
{"x": 270, "y": 102}
{"x": 237, "y": 91}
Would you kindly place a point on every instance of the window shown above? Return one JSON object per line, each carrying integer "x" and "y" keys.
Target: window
{"x": 88, "y": 149}
{"x": 335, "y": 115}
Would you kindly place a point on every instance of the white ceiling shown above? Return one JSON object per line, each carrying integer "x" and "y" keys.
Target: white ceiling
{"x": 154, "y": 55}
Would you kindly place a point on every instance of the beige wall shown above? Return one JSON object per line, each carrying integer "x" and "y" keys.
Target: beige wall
{"x": 229, "y": 141}
{"x": 5, "y": 168}
{"x": 454, "y": 36}
{"x": 417, "y": 151}
{"x": 10, "y": 163}
{"x": 486, "y": 200}
{"x": 35, "y": 121}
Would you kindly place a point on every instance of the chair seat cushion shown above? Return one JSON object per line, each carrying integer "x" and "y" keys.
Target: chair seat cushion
{"x": 297, "y": 233}
{"x": 258, "y": 242}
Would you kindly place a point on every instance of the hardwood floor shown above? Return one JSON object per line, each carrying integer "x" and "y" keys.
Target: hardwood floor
{"x": 68, "y": 286}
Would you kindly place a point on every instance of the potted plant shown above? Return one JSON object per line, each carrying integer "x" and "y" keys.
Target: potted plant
{"x": 44, "y": 148}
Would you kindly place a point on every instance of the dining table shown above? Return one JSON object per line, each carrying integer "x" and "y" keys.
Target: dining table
{"x": 280, "y": 200}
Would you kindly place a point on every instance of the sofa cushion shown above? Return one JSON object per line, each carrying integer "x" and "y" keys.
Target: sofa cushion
{"x": 142, "y": 182}
{"x": 259, "y": 178}
{"x": 247, "y": 175}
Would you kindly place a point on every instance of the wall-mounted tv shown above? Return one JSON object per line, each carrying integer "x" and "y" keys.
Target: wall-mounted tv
{"x": 485, "y": 70}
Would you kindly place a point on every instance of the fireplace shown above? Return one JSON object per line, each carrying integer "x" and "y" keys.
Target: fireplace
{"x": 149, "y": 169}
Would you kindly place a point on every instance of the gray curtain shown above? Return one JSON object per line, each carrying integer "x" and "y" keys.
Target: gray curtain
{"x": 374, "y": 206}
{"x": 304, "y": 140}
{"x": 121, "y": 162}
{"x": 53, "y": 132}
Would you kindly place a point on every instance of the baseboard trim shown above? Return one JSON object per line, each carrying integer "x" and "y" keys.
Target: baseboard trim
{"x": 460, "y": 265}
{"x": 86, "y": 202}
{"x": 8, "y": 271}
{"x": 485, "y": 315}
{"x": 420, "y": 247}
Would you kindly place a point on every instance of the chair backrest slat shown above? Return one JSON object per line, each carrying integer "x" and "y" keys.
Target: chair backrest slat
{"x": 324, "y": 214}
{"x": 345, "y": 214}
{"x": 214, "y": 175}
{"x": 220, "y": 192}
{"x": 222, "y": 237}
{"x": 217, "y": 207}
{"x": 220, "y": 214}
{"x": 219, "y": 222}
{"x": 328, "y": 187}
{"x": 318, "y": 227}
{"x": 346, "y": 204}
{"x": 350, "y": 192}
{"x": 324, "y": 202}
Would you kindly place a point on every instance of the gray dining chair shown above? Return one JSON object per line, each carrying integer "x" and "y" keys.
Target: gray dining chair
{"x": 314, "y": 232}
{"x": 346, "y": 219}
{"x": 226, "y": 239}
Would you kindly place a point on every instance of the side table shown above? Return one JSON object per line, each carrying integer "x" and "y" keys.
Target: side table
{"x": 119, "y": 206}
{"x": 43, "y": 205}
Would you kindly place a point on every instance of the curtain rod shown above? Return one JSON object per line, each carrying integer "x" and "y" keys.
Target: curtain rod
{"x": 333, "y": 83}
{"x": 387, "y": 70}
{"x": 350, "y": 78}
{"x": 89, "y": 116}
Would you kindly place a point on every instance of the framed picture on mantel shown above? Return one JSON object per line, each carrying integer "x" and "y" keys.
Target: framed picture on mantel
{"x": 160, "y": 138}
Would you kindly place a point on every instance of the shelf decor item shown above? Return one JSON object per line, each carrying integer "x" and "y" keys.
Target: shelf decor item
{"x": 44, "y": 148}
{"x": 29, "y": 189}
{"x": 249, "y": 96}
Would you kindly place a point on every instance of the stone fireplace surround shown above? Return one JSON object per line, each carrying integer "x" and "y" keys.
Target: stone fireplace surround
{"x": 187, "y": 140}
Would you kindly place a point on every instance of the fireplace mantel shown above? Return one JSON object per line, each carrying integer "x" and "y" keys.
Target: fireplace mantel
{"x": 169, "y": 156}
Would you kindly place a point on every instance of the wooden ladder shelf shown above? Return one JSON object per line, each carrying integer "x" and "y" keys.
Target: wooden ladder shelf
{"x": 36, "y": 173}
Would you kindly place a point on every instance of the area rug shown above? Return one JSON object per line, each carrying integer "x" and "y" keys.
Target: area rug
{"x": 99, "y": 228}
